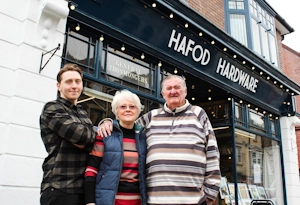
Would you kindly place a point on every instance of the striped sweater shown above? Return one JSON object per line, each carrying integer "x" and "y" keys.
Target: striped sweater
{"x": 183, "y": 157}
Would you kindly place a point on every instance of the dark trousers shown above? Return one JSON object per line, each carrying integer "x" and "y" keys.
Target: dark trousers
{"x": 52, "y": 196}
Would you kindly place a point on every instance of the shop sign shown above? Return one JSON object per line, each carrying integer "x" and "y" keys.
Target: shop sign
{"x": 126, "y": 70}
{"x": 202, "y": 55}
{"x": 196, "y": 55}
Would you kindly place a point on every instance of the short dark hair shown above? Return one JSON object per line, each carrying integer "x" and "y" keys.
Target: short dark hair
{"x": 69, "y": 67}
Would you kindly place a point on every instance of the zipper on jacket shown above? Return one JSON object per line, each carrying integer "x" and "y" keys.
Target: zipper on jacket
{"x": 173, "y": 113}
{"x": 122, "y": 159}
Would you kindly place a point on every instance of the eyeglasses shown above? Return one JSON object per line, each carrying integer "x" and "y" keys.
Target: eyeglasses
{"x": 125, "y": 107}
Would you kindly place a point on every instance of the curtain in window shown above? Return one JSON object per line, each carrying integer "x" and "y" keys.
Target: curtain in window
{"x": 265, "y": 44}
{"x": 238, "y": 28}
{"x": 272, "y": 173}
{"x": 255, "y": 36}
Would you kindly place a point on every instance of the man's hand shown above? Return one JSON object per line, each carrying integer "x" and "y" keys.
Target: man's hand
{"x": 79, "y": 146}
{"x": 209, "y": 201}
{"x": 105, "y": 128}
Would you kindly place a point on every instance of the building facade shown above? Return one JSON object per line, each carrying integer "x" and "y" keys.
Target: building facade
{"x": 229, "y": 52}
{"x": 292, "y": 69}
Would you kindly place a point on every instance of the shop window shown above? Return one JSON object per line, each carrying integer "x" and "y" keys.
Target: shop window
{"x": 239, "y": 158}
{"x": 217, "y": 111}
{"x": 273, "y": 125}
{"x": 238, "y": 28}
{"x": 81, "y": 50}
{"x": 249, "y": 17}
{"x": 96, "y": 100}
{"x": 259, "y": 174}
{"x": 105, "y": 62}
{"x": 239, "y": 114}
{"x": 257, "y": 121}
{"x": 121, "y": 68}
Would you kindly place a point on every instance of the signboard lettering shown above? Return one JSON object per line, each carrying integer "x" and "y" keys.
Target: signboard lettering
{"x": 185, "y": 46}
{"x": 127, "y": 70}
{"x": 236, "y": 75}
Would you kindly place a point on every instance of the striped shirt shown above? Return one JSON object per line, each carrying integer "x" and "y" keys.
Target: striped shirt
{"x": 128, "y": 189}
{"x": 183, "y": 157}
{"x": 62, "y": 125}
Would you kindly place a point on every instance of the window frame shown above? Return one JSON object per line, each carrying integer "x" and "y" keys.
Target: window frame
{"x": 269, "y": 51}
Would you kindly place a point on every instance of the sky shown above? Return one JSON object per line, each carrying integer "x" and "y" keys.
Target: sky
{"x": 290, "y": 11}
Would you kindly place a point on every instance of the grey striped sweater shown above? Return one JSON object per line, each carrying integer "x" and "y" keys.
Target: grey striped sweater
{"x": 183, "y": 156}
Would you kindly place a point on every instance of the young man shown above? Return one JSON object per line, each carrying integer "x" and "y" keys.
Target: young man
{"x": 182, "y": 153}
{"x": 68, "y": 135}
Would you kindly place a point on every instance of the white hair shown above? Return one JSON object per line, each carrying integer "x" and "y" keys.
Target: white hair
{"x": 172, "y": 77}
{"x": 125, "y": 95}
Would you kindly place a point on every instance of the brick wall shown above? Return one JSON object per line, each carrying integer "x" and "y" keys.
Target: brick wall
{"x": 213, "y": 10}
{"x": 291, "y": 61}
{"x": 280, "y": 55}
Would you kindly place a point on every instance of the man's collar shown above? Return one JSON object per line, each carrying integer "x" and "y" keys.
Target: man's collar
{"x": 178, "y": 109}
{"x": 67, "y": 102}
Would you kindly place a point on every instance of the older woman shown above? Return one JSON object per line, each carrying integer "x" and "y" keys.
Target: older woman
{"x": 116, "y": 166}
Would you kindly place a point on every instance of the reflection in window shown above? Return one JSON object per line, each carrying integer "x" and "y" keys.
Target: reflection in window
{"x": 239, "y": 114}
{"x": 121, "y": 68}
{"x": 239, "y": 159}
{"x": 99, "y": 106}
{"x": 273, "y": 128}
{"x": 218, "y": 112}
{"x": 127, "y": 70}
{"x": 257, "y": 121}
{"x": 81, "y": 50}
{"x": 261, "y": 167}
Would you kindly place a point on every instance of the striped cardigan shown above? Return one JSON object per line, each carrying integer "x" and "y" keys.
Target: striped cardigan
{"x": 183, "y": 157}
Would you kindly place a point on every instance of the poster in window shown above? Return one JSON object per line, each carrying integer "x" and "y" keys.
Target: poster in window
{"x": 257, "y": 173}
{"x": 223, "y": 188}
{"x": 232, "y": 194}
{"x": 253, "y": 191}
{"x": 243, "y": 191}
{"x": 261, "y": 192}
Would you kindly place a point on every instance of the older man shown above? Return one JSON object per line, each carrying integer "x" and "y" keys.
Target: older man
{"x": 183, "y": 157}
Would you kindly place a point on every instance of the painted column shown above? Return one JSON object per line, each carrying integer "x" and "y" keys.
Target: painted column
{"x": 290, "y": 157}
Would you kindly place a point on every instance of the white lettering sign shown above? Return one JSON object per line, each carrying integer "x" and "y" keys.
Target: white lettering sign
{"x": 236, "y": 75}
{"x": 123, "y": 69}
{"x": 187, "y": 47}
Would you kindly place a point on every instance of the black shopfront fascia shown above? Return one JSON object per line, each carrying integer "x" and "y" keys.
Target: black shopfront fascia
{"x": 151, "y": 30}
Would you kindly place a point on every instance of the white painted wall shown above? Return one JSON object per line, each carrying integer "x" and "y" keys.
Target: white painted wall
{"x": 290, "y": 157}
{"x": 28, "y": 29}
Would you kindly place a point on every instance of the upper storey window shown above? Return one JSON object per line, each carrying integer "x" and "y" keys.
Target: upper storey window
{"x": 251, "y": 24}
{"x": 236, "y": 4}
